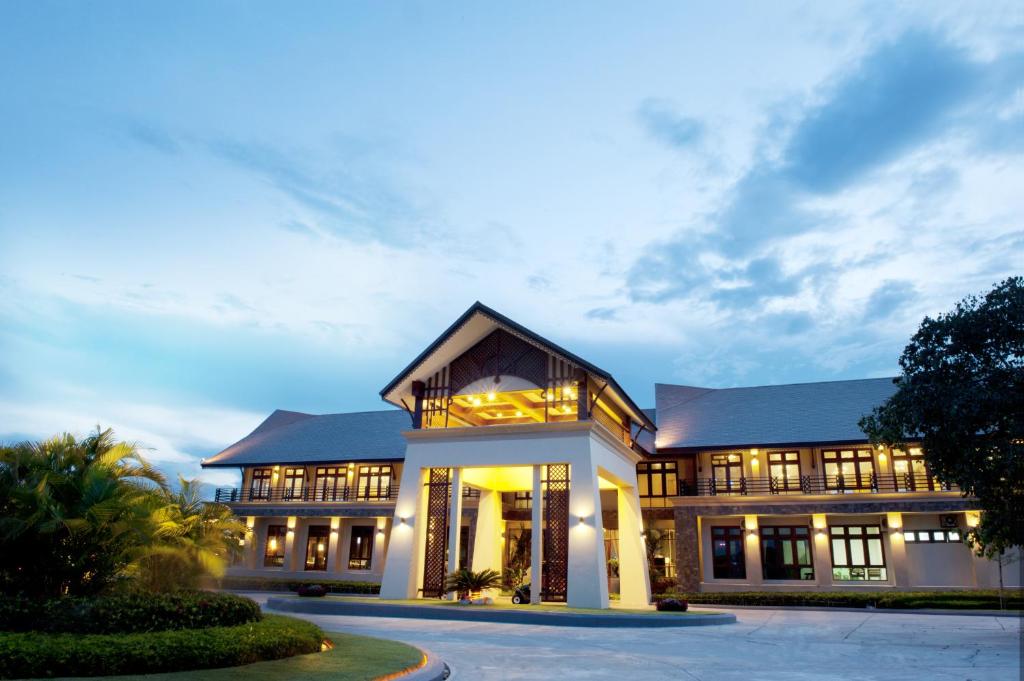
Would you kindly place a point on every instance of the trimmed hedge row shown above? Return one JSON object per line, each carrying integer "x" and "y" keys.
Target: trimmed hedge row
{"x": 962, "y": 600}
{"x": 271, "y": 584}
{"x": 128, "y": 613}
{"x": 39, "y": 655}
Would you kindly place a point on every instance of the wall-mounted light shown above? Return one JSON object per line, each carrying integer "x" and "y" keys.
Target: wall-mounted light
{"x": 583, "y": 519}
{"x": 380, "y": 532}
{"x": 490, "y": 397}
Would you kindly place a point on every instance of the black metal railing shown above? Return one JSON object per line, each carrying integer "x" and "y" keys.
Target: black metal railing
{"x": 812, "y": 484}
{"x": 242, "y": 495}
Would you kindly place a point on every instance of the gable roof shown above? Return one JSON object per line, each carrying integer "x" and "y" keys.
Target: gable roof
{"x": 769, "y": 415}
{"x": 294, "y": 437}
{"x": 478, "y": 309}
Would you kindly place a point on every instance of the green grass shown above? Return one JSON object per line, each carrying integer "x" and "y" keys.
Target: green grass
{"x": 354, "y": 658}
{"x": 543, "y": 607}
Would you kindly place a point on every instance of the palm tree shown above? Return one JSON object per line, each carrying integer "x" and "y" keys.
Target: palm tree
{"x": 72, "y": 513}
{"x": 469, "y": 584}
{"x": 190, "y": 539}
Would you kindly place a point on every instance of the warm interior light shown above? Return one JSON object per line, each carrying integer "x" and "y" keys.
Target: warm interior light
{"x": 320, "y": 547}
{"x": 476, "y": 402}
{"x": 972, "y": 518}
{"x": 490, "y": 397}
{"x": 498, "y": 414}
{"x": 273, "y": 544}
{"x": 518, "y": 413}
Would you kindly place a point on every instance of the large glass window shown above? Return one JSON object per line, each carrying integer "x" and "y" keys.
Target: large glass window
{"x": 374, "y": 482}
{"x": 293, "y": 479}
{"x": 657, "y": 478}
{"x": 784, "y": 470}
{"x": 360, "y": 548}
{"x": 727, "y": 553}
{"x": 261, "y": 482}
{"x": 786, "y": 553}
{"x": 910, "y": 471}
{"x": 857, "y": 553}
{"x": 330, "y": 483}
{"x": 848, "y": 469}
{"x": 273, "y": 554}
{"x": 522, "y": 500}
{"x": 933, "y": 536}
{"x": 727, "y": 472}
{"x": 316, "y": 547}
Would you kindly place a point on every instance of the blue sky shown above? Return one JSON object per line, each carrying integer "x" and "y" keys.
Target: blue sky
{"x": 210, "y": 210}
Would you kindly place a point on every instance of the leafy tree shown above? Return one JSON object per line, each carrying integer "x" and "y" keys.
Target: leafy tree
{"x": 961, "y": 394}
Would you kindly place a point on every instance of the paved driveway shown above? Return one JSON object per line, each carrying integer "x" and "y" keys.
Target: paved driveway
{"x": 765, "y": 644}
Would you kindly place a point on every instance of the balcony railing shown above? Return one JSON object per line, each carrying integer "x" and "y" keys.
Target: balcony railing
{"x": 812, "y": 484}
{"x": 242, "y": 495}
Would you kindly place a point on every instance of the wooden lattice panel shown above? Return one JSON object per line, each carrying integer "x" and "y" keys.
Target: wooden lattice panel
{"x": 555, "y": 584}
{"x": 499, "y": 353}
{"x": 435, "y": 556}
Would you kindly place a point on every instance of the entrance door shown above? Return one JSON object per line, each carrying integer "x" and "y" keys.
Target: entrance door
{"x": 727, "y": 472}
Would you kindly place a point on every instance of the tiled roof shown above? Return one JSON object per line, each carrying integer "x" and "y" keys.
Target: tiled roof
{"x": 690, "y": 417}
{"x": 294, "y": 437}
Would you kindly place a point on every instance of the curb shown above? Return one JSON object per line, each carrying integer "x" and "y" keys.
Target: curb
{"x": 431, "y": 668}
{"x": 554, "y": 619}
{"x": 874, "y": 611}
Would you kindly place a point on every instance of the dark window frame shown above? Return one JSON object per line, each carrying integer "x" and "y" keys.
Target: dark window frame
{"x": 315, "y": 559}
{"x": 723, "y": 461}
{"x": 785, "y": 483}
{"x": 378, "y": 491}
{"x": 330, "y": 482}
{"x": 860, "y": 455}
{"x": 289, "y": 491}
{"x": 848, "y": 538}
{"x": 261, "y": 475}
{"x": 727, "y": 566}
{"x": 792, "y": 535}
{"x": 665, "y": 472}
{"x": 279, "y": 533}
{"x": 360, "y": 553}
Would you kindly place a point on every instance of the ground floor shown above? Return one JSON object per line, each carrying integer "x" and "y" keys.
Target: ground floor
{"x": 764, "y": 644}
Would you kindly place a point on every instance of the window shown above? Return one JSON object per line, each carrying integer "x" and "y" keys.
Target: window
{"x": 657, "y": 478}
{"x": 857, "y": 553}
{"x": 360, "y": 547}
{"x": 909, "y": 470}
{"x": 316, "y": 547}
{"x": 786, "y": 553}
{"x": 784, "y": 470}
{"x": 848, "y": 469}
{"x": 261, "y": 481}
{"x": 374, "y": 482}
{"x": 522, "y": 500}
{"x": 293, "y": 478}
{"x": 273, "y": 555}
{"x": 932, "y": 536}
{"x": 330, "y": 483}
{"x": 727, "y": 551}
{"x": 726, "y": 472}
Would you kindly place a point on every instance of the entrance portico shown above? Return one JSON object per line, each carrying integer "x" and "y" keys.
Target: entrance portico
{"x": 495, "y": 409}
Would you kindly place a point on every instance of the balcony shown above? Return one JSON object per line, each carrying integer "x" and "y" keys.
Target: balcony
{"x": 813, "y": 484}
{"x": 241, "y": 495}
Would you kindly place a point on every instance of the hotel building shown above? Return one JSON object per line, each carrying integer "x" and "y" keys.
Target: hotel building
{"x": 494, "y": 431}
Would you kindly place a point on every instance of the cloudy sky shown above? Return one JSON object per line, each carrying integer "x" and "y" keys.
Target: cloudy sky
{"x": 210, "y": 210}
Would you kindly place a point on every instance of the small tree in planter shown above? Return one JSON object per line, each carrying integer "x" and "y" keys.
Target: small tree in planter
{"x": 469, "y": 585}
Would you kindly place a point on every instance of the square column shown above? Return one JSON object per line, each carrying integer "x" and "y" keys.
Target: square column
{"x": 822, "y": 550}
{"x": 897, "y": 549}
{"x": 536, "y": 536}
{"x": 752, "y": 550}
{"x": 634, "y": 574}
{"x": 250, "y": 544}
{"x": 487, "y": 541}
{"x": 588, "y": 573}
{"x": 454, "y": 525}
{"x": 289, "y": 544}
{"x": 334, "y": 545}
{"x": 403, "y": 571}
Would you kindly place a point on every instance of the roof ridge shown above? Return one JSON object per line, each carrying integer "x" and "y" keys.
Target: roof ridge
{"x": 783, "y": 385}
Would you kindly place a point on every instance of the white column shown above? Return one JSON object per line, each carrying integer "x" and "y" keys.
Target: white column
{"x": 403, "y": 569}
{"x": 634, "y": 576}
{"x": 536, "y": 535}
{"x": 290, "y": 543}
{"x": 487, "y": 540}
{"x": 752, "y": 551}
{"x": 822, "y": 550}
{"x": 334, "y": 545}
{"x": 897, "y": 557}
{"x": 249, "y": 554}
{"x": 454, "y": 525}
{"x": 588, "y": 574}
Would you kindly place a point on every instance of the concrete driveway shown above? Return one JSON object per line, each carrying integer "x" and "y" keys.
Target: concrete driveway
{"x": 765, "y": 644}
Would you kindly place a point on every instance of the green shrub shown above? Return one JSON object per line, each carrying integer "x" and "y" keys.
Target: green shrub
{"x": 272, "y": 584}
{"x": 128, "y": 613}
{"x": 39, "y": 655}
{"x": 965, "y": 600}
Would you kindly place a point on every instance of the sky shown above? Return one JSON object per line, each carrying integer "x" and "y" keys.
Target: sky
{"x": 210, "y": 210}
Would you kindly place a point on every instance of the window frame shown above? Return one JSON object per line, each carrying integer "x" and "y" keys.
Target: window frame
{"x": 913, "y": 536}
{"x": 292, "y": 473}
{"x": 912, "y": 480}
{"x": 355, "y": 548}
{"x": 374, "y": 492}
{"x": 729, "y": 534}
{"x": 279, "y": 533}
{"x": 319, "y": 558}
{"x": 261, "y": 491}
{"x": 858, "y": 457}
{"x": 662, "y": 471}
{"x": 773, "y": 533}
{"x": 732, "y": 485}
{"x": 332, "y": 492}
{"x": 847, "y": 538}
{"x": 786, "y": 484}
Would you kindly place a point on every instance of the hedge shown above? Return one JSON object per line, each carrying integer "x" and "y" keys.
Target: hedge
{"x": 960, "y": 600}
{"x": 39, "y": 655}
{"x": 272, "y": 584}
{"x": 128, "y": 613}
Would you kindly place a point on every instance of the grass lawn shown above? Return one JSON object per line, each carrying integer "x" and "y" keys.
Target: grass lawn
{"x": 543, "y": 607}
{"x": 354, "y": 658}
